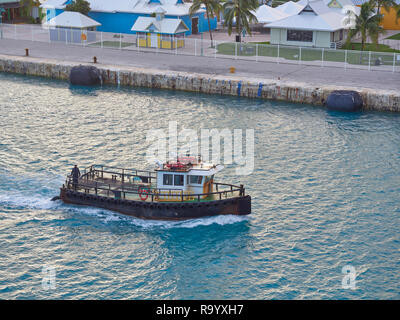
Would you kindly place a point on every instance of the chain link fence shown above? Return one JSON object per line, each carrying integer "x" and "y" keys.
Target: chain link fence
{"x": 259, "y": 52}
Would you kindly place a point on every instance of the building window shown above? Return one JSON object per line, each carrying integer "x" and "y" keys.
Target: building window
{"x": 178, "y": 179}
{"x": 299, "y": 35}
{"x": 167, "y": 179}
{"x": 141, "y": 35}
{"x": 195, "y": 179}
{"x": 179, "y": 36}
{"x": 165, "y": 37}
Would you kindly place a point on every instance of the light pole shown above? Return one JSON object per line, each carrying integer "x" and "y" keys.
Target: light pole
{"x": 201, "y": 39}
{"x": 1, "y": 22}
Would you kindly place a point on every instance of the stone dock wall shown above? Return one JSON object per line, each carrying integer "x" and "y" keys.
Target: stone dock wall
{"x": 374, "y": 99}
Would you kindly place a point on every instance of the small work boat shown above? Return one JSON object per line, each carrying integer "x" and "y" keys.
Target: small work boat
{"x": 182, "y": 188}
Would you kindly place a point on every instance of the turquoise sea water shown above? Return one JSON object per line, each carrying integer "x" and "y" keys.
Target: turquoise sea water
{"x": 325, "y": 194}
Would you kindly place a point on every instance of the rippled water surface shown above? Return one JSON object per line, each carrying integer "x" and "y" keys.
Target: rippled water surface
{"x": 325, "y": 194}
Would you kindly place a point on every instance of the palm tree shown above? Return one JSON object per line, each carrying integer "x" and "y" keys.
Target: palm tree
{"x": 240, "y": 12}
{"x": 27, "y": 6}
{"x": 81, "y": 6}
{"x": 212, "y": 7}
{"x": 367, "y": 24}
{"x": 398, "y": 12}
{"x": 386, "y": 4}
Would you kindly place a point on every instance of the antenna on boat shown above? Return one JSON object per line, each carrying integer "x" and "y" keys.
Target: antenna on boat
{"x": 159, "y": 163}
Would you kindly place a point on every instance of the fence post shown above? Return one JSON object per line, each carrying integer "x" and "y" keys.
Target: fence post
{"x": 176, "y": 45}
{"x": 345, "y": 59}
{"x": 394, "y": 60}
{"x": 120, "y": 41}
{"x": 369, "y": 61}
{"x": 195, "y": 47}
{"x": 322, "y": 61}
{"x": 15, "y": 31}
{"x": 257, "y": 52}
{"x": 66, "y": 36}
{"x": 277, "y": 58}
{"x": 157, "y": 44}
{"x": 101, "y": 38}
{"x": 299, "y": 55}
{"x": 32, "y": 33}
{"x": 215, "y": 47}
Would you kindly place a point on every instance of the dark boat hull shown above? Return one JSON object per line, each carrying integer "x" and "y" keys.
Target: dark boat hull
{"x": 161, "y": 210}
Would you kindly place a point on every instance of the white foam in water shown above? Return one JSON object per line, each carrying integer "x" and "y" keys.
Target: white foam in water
{"x": 221, "y": 220}
{"x": 192, "y": 223}
{"x": 33, "y": 202}
{"x": 110, "y": 216}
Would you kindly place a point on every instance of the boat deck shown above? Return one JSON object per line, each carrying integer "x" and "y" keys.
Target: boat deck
{"x": 140, "y": 186}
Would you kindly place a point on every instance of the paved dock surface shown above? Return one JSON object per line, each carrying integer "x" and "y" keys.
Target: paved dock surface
{"x": 315, "y": 75}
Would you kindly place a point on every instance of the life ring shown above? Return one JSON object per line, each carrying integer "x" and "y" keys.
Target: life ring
{"x": 143, "y": 194}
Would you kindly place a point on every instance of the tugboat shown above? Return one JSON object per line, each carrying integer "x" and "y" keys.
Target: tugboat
{"x": 182, "y": 188}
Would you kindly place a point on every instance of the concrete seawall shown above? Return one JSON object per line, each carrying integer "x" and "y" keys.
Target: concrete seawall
{"x": 379, "y": 100}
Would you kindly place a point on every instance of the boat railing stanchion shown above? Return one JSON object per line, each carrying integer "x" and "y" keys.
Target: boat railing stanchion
{"x": 95, "y": 188}
{"x": 241, "y": 190}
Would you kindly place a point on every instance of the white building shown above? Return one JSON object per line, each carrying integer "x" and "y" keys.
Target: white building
{"x": 72, "y": 27}
{"x": 318, "y": 23}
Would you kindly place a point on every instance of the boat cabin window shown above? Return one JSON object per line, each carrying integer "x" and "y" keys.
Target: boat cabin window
{"x": 178, "y": 179}
{"x": 195, "y": 179}
{"x": 173, "y": 179}
{"x": 167, "y": 179}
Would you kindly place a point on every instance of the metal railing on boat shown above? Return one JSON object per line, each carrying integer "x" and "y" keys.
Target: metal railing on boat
{"x": 123, "y": 190}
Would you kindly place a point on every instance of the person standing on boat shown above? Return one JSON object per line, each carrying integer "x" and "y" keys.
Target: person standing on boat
{"x": 75, "y": 173}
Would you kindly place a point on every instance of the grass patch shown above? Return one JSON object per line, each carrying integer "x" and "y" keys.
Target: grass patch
{"x": 112, "y": 44}
{"x": 369, "y": 47}
{"x": 394, "y": 37}
{"x": 381, "y": 55}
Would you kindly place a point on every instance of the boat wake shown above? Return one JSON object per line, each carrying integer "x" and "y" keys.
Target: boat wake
{"x": 189, "y": 224}
{"x": 20, "y": 201}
